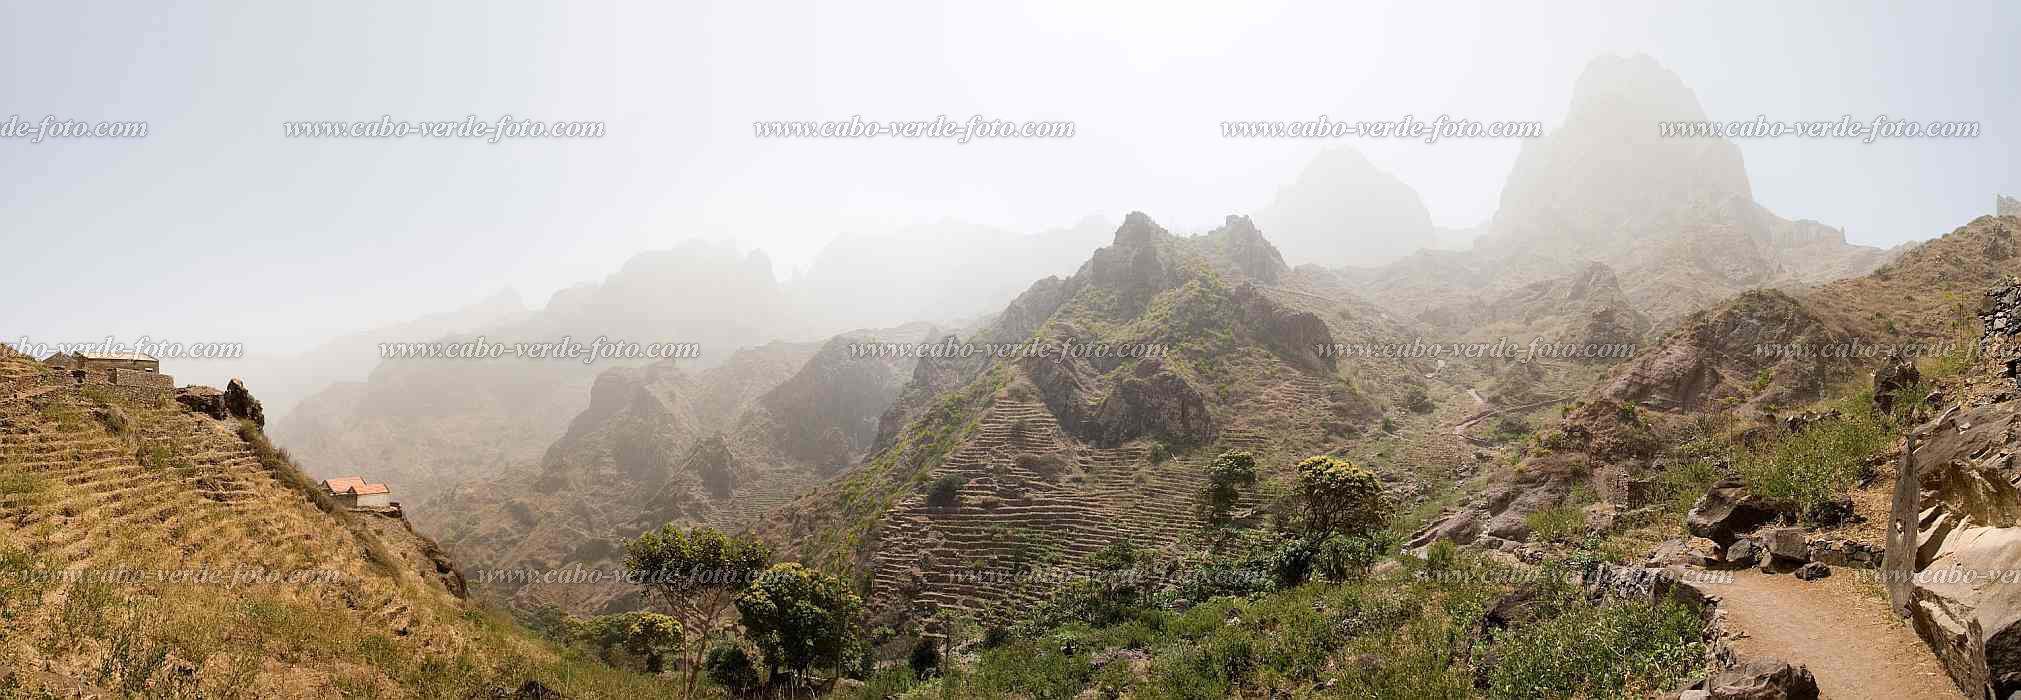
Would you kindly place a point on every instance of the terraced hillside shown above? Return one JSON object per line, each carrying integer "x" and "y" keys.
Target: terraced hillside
{"x": 146, "y": 549}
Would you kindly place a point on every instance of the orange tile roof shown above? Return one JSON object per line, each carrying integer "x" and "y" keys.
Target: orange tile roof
{"x": 343, "y": 483}
{"x": 370, "y": 489}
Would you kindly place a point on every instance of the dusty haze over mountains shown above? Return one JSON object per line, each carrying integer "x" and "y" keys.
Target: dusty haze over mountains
{"x": 1035, "y": 349}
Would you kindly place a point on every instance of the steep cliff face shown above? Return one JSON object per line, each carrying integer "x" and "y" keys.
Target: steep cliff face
{"x": 1955, "y": 532}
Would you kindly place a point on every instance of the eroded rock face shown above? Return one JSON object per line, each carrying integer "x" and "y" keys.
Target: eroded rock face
{"x": 1954, "y": 542}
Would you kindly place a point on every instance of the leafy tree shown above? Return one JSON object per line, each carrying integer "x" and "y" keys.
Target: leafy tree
{"x": 1337, "y": 497}
{"x": 698, "y": 575}
{"x": 731, "y": 668}
{"x": 1227, "y": 475}
{"x": 798, "y": 617}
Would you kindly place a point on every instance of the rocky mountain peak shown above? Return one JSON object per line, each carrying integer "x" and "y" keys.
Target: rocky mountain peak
{"x": 1138, "y": 230}
{"x": 1245, "y": 247}
{"x": 1608, "y": 169}
{"x": 2004, "y": 205}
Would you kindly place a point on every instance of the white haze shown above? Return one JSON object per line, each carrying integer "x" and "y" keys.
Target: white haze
{"x": 216, "y": 228}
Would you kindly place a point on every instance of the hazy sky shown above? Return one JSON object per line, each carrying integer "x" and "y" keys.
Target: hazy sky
{"x": 217, "y": 228}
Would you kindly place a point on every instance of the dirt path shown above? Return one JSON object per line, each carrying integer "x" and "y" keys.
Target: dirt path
{"x": 1838, "y": 626}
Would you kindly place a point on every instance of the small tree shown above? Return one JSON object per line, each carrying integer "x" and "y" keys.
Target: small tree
{"x": 1337, "y": 497}
{"x": 797, "y": 617}
{"x": 1227, "y": 475}
{"x": 698, "y": 575}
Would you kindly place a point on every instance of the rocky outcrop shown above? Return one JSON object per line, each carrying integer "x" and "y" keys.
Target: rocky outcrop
{"x": 1131, "y": 265}
{"x": 1151, "y": 401}
{"x": 2004, "y": 205}
{"x": 1896, "y": 375}
{"x": 1648, "y": 585}
{"x": 1496, "y": 518}
{"x": 1954, "y": 543}
{"x": 234, "y": 403}
{"x": 829, "y": 410}
{"x": 203, "y": 399}
{"x": 1761, "y": 348}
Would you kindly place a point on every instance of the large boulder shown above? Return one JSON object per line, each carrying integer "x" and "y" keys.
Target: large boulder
{"x": 1785, "y": 549}
{"x": 1727, "y": 511}
{"x": 1763, "y": 679}
{"x": 1954, "y": 543}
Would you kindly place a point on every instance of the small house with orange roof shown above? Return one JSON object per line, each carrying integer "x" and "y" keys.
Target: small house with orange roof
{"x": 354, "y": 492}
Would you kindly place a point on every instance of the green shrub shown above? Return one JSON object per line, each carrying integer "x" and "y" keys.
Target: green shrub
{"x": 945, "y": 492}
{"x": 1613, "y": 651}
{"x": 1557, "y": 523}
{"x": 1417, "y": 401}
{"x": 731, "y": 669}
{"x": 925, "y": 658}
{"x": 1812, "y": 467}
